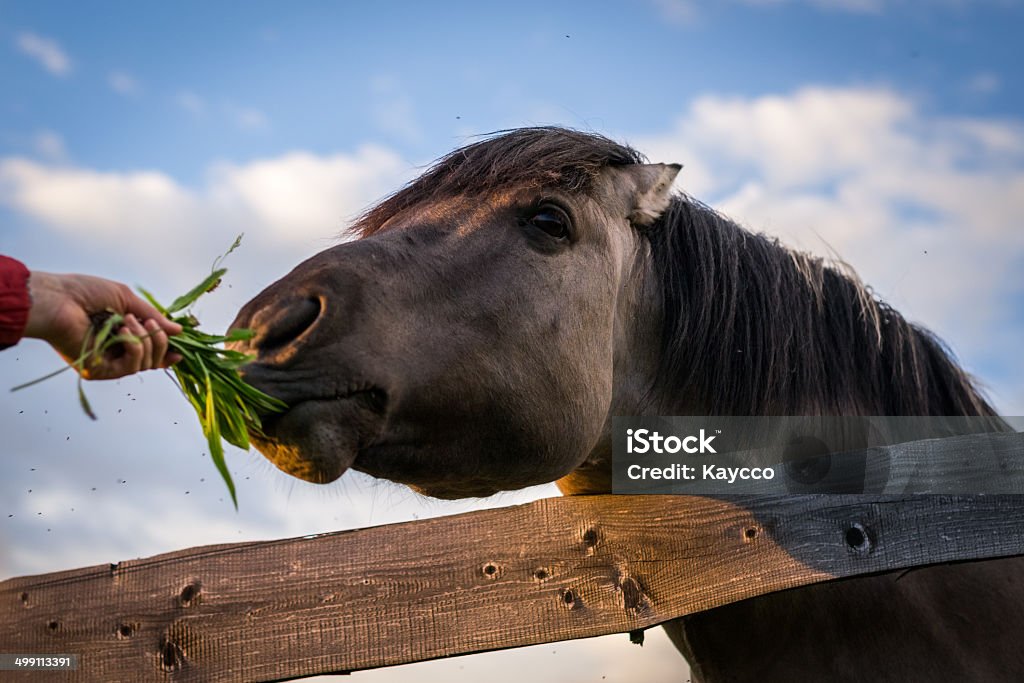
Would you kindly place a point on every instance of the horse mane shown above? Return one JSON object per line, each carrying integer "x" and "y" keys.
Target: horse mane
{"x": 542, "y": 156}
{"x": 756, "y": 328}
{"x": 750, "y": 327}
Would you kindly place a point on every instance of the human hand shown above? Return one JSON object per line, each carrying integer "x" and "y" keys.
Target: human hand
{"x": 60, "y": 315}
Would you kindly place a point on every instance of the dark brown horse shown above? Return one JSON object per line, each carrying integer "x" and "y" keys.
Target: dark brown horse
{"x": 496, "y": 313}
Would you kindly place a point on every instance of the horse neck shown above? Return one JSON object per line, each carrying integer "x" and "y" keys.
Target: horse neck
{"x": 758, "y": 329}
{"x": 769, "y": 332}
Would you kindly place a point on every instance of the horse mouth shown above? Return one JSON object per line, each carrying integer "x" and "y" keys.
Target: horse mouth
{"x": 318, "y": 439}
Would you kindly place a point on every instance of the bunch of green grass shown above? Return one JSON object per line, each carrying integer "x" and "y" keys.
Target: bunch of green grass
{"x": 207, "y": 373}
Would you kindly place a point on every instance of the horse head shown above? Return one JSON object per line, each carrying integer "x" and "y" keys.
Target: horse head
{"x": 482, "y": 330}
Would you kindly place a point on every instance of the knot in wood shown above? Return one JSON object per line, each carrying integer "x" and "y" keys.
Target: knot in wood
{"x": 171, "y": 656}
{"x": 859, "y": 538}
{"x": 632, "y": 594}
{"x": 190, "y": 594}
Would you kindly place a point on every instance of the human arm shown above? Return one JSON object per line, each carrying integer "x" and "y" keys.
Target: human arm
{"x": 59, "y": 313}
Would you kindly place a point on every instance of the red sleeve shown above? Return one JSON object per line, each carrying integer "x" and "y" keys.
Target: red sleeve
{"x": 14, "y": 301}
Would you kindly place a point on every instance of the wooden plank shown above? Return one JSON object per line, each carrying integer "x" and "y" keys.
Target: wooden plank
{"x": 551, "y": 570}
{"x": 974, "y": 463}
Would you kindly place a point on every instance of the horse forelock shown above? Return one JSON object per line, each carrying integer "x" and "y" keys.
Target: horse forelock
{"x": 538, "y": 157}
{"x": 754, "y": 328}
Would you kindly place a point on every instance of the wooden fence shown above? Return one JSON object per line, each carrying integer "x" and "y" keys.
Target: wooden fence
{"x": 555, "y": 569}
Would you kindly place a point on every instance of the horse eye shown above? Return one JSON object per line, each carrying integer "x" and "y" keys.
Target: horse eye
{"x": 553, "y": 221}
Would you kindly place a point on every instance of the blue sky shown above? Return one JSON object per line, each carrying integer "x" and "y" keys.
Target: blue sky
{"x": 316, "y": 75}
{"x": 136, "y": 139}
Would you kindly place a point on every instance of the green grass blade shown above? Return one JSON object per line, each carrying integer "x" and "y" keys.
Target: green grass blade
{"x": 84, "y": 401}
{"x": 186, "y": 300}
{"x": 37, "y": 380}
{"x": 234, "y": 245}
{"x": 152, "y": 300}
{"x": 240, "y": 334}
{"x": 213, "y": 439}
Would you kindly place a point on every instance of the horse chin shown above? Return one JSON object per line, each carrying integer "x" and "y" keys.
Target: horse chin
{"x": 316, "y": 441}
{"x": 431, "y": 467}
{"x": 449, "y": 493}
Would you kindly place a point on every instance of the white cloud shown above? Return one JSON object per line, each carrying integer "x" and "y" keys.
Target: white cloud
{"x": 50, "y": 146}
{"x": 248, "y": 119}
{"x": 854, "y": 6}
{"x": 123, "y": 83}
{"x": 927, "y": 208}
{"x": 79, "y": 201}
{"x": 688, "y": 11}
{"x": 46, "y": 51}
{"x": 794, "y": 139}
{"x": 305, "y": 194}
{"x": 677, "y": 11}
{"x": 984, "y": 83}
{"x": 245, "y": 118}
{"x": 289, "y": 207}
{"x": 191, "y": 102}
{"x": 393, "y": 109}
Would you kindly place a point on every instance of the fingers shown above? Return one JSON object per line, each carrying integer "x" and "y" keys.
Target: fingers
{"x": 157, "y": 341}
{"x": 128, "y": 357}
{"x": 135, "y": 351}
{"x": 158, "y": 338}
{"x": 142, "y": 309}
{"x": 148, "y": 350}
{"x": 139, "y": 331}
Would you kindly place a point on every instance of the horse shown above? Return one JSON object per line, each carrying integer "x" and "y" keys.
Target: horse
{"x": 491, "y": 317}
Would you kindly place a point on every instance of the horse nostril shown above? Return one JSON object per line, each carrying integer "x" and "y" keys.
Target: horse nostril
{"x": 285, "y": 323}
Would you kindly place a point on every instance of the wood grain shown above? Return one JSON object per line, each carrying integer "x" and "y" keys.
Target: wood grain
{"x": 551, "y": 570}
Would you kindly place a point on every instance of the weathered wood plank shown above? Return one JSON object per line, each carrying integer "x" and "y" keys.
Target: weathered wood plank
{"x": 555, "y": 569}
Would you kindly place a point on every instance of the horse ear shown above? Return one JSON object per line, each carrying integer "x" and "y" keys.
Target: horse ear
{"x": 653, "y": 191}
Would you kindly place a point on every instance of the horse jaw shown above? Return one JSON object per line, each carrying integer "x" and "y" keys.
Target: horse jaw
{"x": 317, "y": 441}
